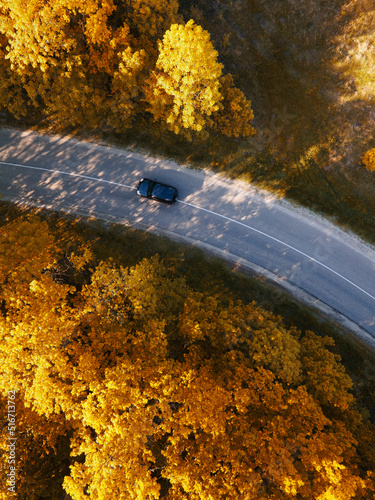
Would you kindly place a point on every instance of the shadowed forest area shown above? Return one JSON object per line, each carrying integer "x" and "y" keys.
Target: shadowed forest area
{"x": 308, "y": 68}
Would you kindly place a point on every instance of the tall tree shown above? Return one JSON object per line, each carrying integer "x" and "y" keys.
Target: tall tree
{"x": 184, "y": 88}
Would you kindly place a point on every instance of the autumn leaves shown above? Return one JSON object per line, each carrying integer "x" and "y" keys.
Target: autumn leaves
{"x": 158, "y": 390}
{"x": 112, "y": 65}
{"x": 369, "y": 159}
{"x": 187, "y": 89}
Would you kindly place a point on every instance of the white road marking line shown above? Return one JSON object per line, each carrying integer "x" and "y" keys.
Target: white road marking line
{"x": 281, "y": 242}
{"x": 205, "y": 210}
{"x": 67, "y": 173}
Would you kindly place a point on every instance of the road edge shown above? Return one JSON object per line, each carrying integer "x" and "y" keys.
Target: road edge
{"x": 356, "y": 332}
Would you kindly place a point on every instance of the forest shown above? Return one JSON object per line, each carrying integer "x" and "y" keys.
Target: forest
{"x": 110, "y": 64}
{"x": 137, "y": 376}
{"x": 125, "y": 376}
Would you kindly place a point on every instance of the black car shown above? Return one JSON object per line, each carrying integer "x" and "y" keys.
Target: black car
{"x": 157, "y": 191}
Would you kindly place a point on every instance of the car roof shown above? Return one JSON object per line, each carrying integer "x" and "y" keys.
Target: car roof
{"x": 164, "y": 191}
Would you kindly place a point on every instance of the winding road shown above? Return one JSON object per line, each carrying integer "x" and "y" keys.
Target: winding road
{"x": 308, "y": 255}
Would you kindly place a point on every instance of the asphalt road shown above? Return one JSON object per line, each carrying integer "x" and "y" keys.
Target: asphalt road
{"x": 306, "y": 252}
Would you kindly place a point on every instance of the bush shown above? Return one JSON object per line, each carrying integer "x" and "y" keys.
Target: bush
{"x": 369, "y": 160}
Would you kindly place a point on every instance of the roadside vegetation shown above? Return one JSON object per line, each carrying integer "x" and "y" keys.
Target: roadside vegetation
{"x": 125, "y": 348}
{"x": 308, "y": 68}
{"x": 299, "y": 74}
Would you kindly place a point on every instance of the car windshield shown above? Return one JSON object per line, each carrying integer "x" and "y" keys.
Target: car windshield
{"x": 144, "y": 187}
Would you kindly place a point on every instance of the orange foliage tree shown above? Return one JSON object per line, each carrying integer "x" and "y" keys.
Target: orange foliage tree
{"x": 162, "y": 392}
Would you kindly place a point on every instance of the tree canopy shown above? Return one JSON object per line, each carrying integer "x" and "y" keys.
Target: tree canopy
{"x": 130, "y": 384}
{"x": 185, "y": 84}
{"x": 102, "y": 65}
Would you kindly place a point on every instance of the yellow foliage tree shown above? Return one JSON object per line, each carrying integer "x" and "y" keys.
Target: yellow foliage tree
{"x": 41, "y": 452}
{"x": 239, "y": 433}
{"x": 127, "y": 88}
{"x": 187, "y": 92}
{"x": 35, "y": 33}
{"x": 38, "y": 321}
{"x": 184, "y": 88}
{"x": 117, "y": 425}
{"x": 21, "y": 260}
{"x": 254, "y": 331}
{"x": 323, "y": 374}
{"x": 12, "y": 95}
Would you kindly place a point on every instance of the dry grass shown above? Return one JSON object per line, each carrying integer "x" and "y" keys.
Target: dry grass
{"x": 309, "y": 69}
